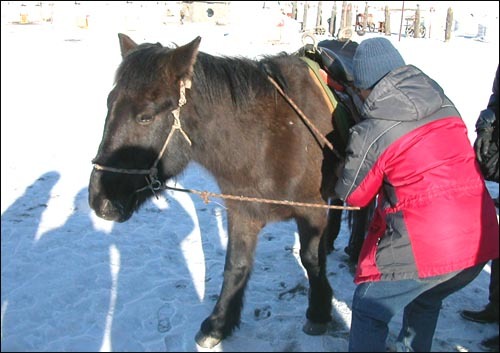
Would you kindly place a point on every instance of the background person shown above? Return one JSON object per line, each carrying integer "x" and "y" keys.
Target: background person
{"x": 486, "y": 148}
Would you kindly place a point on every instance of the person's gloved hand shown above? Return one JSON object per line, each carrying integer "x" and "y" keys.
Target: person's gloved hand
{"x": 484, "y": 129}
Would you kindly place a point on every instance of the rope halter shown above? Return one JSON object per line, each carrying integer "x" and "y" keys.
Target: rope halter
{"x": 153, "y": 183}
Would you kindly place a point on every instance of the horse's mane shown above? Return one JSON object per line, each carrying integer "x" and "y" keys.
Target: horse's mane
{"x": 141, "y": 66}
{"x": 217, "y": 77}
{"x": 240, "y": 78}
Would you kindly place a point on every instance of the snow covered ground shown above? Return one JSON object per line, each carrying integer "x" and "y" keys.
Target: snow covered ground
{"x": 73, "y": 282}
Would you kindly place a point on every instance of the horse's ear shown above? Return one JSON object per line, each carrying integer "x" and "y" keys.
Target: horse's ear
{"x": 126, "y": 44}
{"x": 184, "y": 58}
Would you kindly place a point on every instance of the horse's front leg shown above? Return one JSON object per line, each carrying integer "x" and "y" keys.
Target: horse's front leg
{"x": 225, "y": 317}
{"x": 313, "y": 258}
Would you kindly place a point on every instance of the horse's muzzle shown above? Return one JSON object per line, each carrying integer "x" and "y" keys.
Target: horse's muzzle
{"x": 105, "y": 208}
{"x": 111, "y": 212}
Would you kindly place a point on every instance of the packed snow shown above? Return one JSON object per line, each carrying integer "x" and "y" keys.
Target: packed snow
{"x": 73, "y": 282}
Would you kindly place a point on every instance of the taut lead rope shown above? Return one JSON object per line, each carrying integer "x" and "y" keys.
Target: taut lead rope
{"x": 206, "y": 194}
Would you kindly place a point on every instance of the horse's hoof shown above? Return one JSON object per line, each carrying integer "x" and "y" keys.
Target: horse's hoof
{"x": 314, "y": 329}
{"x": 206, "y": 341}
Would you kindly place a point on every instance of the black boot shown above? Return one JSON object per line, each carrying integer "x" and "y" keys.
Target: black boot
{"x": 487, "y": 315}
{"x": 490, "y": 344}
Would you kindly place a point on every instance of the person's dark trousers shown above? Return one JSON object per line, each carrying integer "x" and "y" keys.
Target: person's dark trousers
{"x": 494, "y": 283}
{"x": 490, "y": 344}
{"x": 490, "y": 312}
{"x": 375, "y": 303}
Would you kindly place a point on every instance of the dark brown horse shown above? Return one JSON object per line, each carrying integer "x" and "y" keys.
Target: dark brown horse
{"x": 170, "y": 106}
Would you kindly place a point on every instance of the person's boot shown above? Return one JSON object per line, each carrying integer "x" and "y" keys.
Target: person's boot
{"x": 487, "y": 315}
{"x": 490, "y": 344}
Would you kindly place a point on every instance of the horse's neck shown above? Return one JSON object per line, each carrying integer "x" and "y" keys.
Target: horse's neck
{"x": 225, "y": 140}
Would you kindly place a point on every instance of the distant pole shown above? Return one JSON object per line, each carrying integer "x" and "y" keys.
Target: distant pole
{"x": 416, "y": 23}
{"x": 345, "y": 30}
{"x": 304, "y": 19}
{"x": 318, "y": 14}
{"x": 294, "y": 10}
{"x": 333, "y": 19}
{"x": 348, "y": 20}
{"x": 401, "y": 23}
{"x": 449, "y": 21}
{"x": 343, "y": 17}
{"x": 387, "y": 21}
{"x": 431, "y": 19}
{"x": 365, "y": 17}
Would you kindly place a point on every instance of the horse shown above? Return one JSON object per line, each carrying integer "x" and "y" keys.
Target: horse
{"x": 173, "y": 105}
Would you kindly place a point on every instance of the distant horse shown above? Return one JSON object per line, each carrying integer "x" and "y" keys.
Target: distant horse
{"x": 170, "y": 106}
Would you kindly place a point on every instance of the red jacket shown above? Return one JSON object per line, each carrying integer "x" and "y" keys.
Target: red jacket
{"x": 434, "y": 213}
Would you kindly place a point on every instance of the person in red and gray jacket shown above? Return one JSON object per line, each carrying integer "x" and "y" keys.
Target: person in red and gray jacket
{"x": 435, "y": 225}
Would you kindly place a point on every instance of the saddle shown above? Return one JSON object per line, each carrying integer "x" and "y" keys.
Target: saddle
{"x": 334, "y": 59}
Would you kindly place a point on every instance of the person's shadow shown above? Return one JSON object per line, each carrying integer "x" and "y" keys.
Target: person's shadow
{"x": 78, "y": 288}
{"x": 20, "y": 267}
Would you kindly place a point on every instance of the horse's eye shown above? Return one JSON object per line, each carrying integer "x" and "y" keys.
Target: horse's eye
{"x": 145, "y": 118}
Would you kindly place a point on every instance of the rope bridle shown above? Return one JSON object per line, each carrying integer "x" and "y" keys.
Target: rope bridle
{"x": 155, "y": 185}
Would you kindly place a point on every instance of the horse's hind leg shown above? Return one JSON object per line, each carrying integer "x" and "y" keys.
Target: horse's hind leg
{"x": 313, "y": 257}
{"x": 226, "y": 314}
{"x": 359, "y": 221}
{"x": 358, "y": 230}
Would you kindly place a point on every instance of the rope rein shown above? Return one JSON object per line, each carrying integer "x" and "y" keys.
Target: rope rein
{"x": 305, "y": 118}
{"x": 205, "y": 195}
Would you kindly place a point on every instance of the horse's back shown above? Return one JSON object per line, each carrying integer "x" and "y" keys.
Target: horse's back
{"x": 285, "y": 159}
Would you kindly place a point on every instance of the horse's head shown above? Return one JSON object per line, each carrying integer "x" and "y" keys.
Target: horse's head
{"x": 143, "y": 143}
